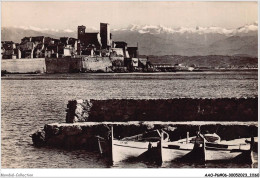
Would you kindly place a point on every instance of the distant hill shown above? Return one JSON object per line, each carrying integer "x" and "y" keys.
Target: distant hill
{"x": 160, "y": 41}
{"x": 190, "y": 44}
{"x": 235, "y": 45}
{"x": 214, "y": 61}
{"x": 15, "y": 35}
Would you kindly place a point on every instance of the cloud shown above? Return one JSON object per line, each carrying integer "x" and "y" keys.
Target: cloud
{"x": 68, "y": 30}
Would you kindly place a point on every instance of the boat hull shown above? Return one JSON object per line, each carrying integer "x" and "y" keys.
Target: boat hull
{"x": 174, "y": 151}
{"x": 228, "y": 153}
{"x": 215, "y": 152}
{"x": 218, "y": 155}
{"x": 125, "y": 150}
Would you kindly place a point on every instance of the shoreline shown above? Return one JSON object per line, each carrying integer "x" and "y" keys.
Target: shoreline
{"x": 112, "y": 75}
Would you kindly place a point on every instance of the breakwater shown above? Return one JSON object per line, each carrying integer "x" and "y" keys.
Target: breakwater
{"x": 230, "y": 118}
{"x": 83, "y": 135}
{"x": 182, "y": 109}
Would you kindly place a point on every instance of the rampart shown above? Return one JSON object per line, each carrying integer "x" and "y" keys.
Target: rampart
{"x": 36, "y": 65}
{"x": 96, "y": 64}
{"x": 63, "y": 65}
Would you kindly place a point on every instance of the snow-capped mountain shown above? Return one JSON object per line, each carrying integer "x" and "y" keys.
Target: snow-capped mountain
{"x": 158, "y": 29}
{"x": 161, "y": 40}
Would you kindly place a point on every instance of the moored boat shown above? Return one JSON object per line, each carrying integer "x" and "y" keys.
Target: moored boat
{"x": 135, "y": 146}
{"x": 131, "y": 147}
{"x": 227, "y": 150}
{"x": 155, "y": 145}
{"x": 217, "y": 150}
{"x": 175, "y": 150}
{"x": 210, "y": 148}
{"x": 125, "y": 150}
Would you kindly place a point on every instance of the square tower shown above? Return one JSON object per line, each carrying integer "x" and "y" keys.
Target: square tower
{"x": 81, "y": 31}
{"x": 105, "y": 35}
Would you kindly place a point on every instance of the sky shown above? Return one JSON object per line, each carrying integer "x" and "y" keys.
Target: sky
{"x": 68, "y": 15}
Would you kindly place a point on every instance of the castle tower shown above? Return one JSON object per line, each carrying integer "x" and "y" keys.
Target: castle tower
{"x": 105, "y": 35}
{"x": 81, "y": 31}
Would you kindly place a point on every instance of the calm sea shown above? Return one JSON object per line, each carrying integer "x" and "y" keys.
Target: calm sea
{"x": 29, "y": 102}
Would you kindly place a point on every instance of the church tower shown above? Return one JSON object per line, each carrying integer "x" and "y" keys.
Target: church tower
{"x": 81, "y": 31}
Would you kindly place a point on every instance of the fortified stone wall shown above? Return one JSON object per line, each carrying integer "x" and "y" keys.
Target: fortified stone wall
{"x": 96, "y": 64}
{"x": 36, "y": 65}
{"x": 63, "y": 65}
{"x": 117, "y": 61}
{"x": 183, "y": 109}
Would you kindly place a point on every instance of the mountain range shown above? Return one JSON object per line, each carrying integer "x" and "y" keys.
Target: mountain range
{"x": 160, "y": 40}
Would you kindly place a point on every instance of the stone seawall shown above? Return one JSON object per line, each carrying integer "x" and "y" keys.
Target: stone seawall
{"x": 80, "y": 64}
{"x": 36, "y": 65}
{"x": 182, "y": 109}
{"x": 90, "y": 64}
{"x": 71, "y": 136}
{"x": 63, "y": 65}
{"x": 88, "y": 120}
{"x": 84, "y": 135}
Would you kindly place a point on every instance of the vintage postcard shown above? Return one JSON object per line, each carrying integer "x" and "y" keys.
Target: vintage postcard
{"x": 129, "y": 84}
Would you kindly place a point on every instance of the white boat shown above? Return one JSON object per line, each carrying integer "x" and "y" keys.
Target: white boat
{"x": 156, "y": 144}
{"x": 135, "y": 146}
{"x": 226, "y": 150}
{"x": 175, "y": 150}
{"x": 217, "y": 150}
{"x": 125, "y": 150}
{"x": 211, "y": 146}
{"x": 131, "y": 147}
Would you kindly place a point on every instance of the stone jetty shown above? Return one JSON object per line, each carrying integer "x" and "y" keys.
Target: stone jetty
{"x": 86, "y": 120}
{"x": 181, "y": 109}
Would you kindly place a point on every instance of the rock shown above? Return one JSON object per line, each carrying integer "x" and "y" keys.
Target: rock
{"x": 51, "y": 130}
{"x": 38, "y": 138}
{"x": 71, "y": 107}
{"x": 78, "y": 111}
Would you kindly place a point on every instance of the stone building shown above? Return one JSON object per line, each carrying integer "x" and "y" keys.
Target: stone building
{"x": 88, "y": 41}
{"x": 133, "y": 52}
{"x": 67, "y": 46}
{"x": 122, "y": 45}
{"x": 88, "y": 45}
{"x": 27, "y": 49}
{"x": 9, "y": 50}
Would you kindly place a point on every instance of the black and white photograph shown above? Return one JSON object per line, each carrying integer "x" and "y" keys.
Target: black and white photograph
{"x": 120, "y": 85}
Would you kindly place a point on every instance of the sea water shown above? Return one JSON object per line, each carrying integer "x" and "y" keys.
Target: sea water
{"x": 29, "y": 102}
